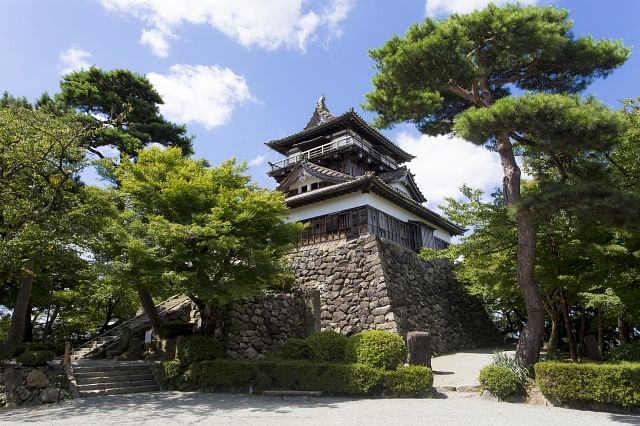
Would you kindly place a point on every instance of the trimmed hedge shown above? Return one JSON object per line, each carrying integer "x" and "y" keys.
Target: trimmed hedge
{"x": 376, "y": 348}
{"x": 410, "y": 380}
{"x": 38, "y": 346}
{"x": 327, "y": 346}
{"x": 332, "y": 378}
{"x": 35, "y": 358}
{"x": 499, "y": 380}
{"x": 198, "y": 348}
{"x": 611, "y": 383}
{"x": 294, "y": 349}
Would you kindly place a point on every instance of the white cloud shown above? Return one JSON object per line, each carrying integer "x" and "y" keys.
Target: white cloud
{"x": 74, "y": 59}
{"x": 157, "y": 41}
{"x": 265, "y": 24}
{"x": 446, "y": 7}
{"x": 204, "y": 94}
{"x": 444, "y": 163}
{"x": 256, "y": 161}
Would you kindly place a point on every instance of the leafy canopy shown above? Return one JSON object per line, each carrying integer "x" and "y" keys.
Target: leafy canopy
{"x": 441, "y": 68}
{"x": 205, "y": 231}
{"x": 123, "y": 107}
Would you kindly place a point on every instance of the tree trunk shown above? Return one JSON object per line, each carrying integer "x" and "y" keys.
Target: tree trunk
{"x": 19, "y": 316}
{"x": 28, "y": 326}
{"x": 583, "y": 331}
{"x": 151, "y": 311}
{"x": 48, "y": 328}
{"x": 108, "y": 316}
{"x": 600, "y": 334}
{"x": 528, "y": 350}
{"x": 568, "y": 325}
{"x": 554, "y": 337}
{"x": 623, "y": 331}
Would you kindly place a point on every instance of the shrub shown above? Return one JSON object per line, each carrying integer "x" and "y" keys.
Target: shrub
{"x": 332, "y": 378}
{"x": 628, "y": 352}
{"x": 198, "y": 348}
{"x": 612, "y": 383}
{"x": 294, "y": 349}
{"x": 36, "y": 346}
{"x": 500, "y": 381}
{"x": 327, "y": 346}
{"x": 170, "y": 374}
{"x": 223, "y": 374}
{"x": 502, "y": 359}
{"x": 173, "y": 329}
{"x": 376, "y": 348}
{"x": 35, "y": 358}
{"x": 411, "y": 380}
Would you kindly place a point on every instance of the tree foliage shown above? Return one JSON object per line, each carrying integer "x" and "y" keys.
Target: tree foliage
{"x": 457, "y": 75}
{"x": 123, "y": 108}
{"x": 205, "y": 231}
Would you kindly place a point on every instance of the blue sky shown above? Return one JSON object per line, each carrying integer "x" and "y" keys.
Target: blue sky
{"x": 240, "y": 73}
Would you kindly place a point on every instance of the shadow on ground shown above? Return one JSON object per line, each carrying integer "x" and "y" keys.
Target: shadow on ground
{"x": 163, "y": 406}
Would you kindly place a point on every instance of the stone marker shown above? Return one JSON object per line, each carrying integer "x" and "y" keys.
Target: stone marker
{"x": 419, "y": 348}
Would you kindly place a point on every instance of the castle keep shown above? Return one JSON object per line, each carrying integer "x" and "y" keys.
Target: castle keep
{"x": 365, "y": 222}
{"x": 345, "y": 179}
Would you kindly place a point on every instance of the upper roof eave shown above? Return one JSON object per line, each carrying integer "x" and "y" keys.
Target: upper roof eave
{"x": 284, "y": 144}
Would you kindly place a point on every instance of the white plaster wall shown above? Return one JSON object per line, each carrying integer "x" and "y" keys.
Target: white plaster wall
{"x": 358, "y": 199}
{"x": 307, "y": 181}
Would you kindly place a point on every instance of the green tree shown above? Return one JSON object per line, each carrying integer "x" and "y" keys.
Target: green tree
{"x": 123, "y": 108}
{"x": 40, "y": 155}
{"x": 466, "y": 63}
{"x": 205, "y": 231}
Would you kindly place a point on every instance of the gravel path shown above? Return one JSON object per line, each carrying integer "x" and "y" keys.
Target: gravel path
{"x": 200, "y": 408}
{"x": 461, "y": 368}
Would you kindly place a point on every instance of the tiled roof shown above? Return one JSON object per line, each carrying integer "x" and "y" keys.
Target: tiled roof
{"x": 348, "y": 118}
{"x": 400, "y": 174}
{"x": 314, "y": 170}
{"x": 370, "y": 182}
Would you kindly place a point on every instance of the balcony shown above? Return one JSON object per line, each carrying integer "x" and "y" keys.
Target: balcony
{"x": 335, "y": 145}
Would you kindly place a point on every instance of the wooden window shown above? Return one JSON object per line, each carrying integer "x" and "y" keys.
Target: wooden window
{"x": 303, "y": 189}
{"x": 314, "y": 186}
{"x": 344, "y": 221}
{"x": 440, "y": 244}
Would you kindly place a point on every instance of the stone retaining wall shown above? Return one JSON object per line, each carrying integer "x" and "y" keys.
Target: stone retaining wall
{"x": 31, "y": 385}
{"x": 369, "y": 283}
{"x": 256, "y": 326}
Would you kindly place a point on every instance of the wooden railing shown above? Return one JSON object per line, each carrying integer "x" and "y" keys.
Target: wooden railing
{"x": 334, "y": 146}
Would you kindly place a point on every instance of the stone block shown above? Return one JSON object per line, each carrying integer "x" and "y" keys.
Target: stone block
{"x": 49, "y": 395}
{"x": 382, "y": 310}
{"x": 13, "y": 378}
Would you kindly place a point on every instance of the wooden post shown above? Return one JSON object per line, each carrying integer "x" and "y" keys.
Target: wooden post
{"x": 419, "y": 348}
{"x": 67, "y": 354}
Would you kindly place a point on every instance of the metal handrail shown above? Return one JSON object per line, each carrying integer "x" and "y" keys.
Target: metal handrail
{"x": 333, "y": 146}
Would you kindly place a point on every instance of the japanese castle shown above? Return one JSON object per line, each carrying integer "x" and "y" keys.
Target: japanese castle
{"x": 345, "y": 179}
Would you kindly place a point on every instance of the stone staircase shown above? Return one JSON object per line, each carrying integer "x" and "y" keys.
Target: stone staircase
{"x": 105, "y": 377}
{"x": 96, "y": 347}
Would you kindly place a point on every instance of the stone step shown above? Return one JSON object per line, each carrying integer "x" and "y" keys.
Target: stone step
{"x": 88, "y": 373}
{"x": 119, "y": 391}
{"x": 117, "y": 385}
{"x": 110, "y": 366}
{"x": 80, "y": 380}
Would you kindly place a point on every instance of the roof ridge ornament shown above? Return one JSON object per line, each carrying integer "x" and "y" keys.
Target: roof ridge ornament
{"x": 321, "y": 114}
